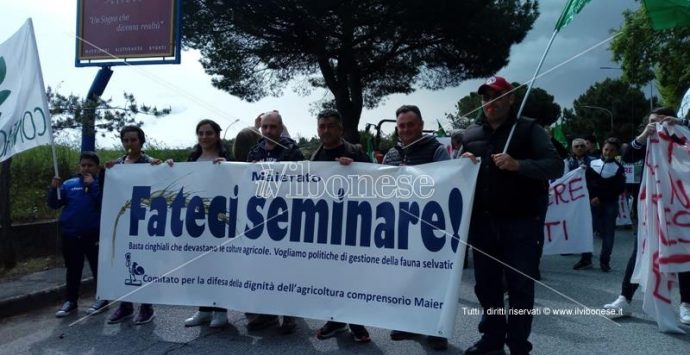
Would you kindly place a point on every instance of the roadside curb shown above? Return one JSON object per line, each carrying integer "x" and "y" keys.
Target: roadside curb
{"x": 21, "y": 304}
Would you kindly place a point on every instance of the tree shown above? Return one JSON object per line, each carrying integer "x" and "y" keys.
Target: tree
{"x": 540, "y": 106}
{"x": 69, "y": 112}
{"x": 611, "y": 108}
{"x": 646, "y": 54}
{"x": 360, "y": 50}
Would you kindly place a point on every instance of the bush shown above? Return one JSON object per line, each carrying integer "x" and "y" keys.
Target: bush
{"x": 32, "y": 172}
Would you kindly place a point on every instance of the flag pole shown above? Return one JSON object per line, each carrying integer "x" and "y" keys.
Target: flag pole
{"x": 45, "y": 99}
{"x": 529, "y": 88}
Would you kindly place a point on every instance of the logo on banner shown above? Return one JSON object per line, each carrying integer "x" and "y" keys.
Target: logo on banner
{"x": 134, "y": 270}
{"x": 3, "y": 70}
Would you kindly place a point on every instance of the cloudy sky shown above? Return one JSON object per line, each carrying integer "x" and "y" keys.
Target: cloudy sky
{"x": 187, "y": 89}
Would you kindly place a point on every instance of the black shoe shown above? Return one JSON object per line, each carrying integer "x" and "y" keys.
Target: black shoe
{"x": 123, "y": 312}
{"x": 401, "y": 335}
{"x": 288, "y": 326}
{"x": 359, "y": 333}
{"x": 262, "y": 321}
{"x": 330, "y": 329}
{"x": 484, "y": 348}
{"x": 605, "y": 267}
{"x": 437, "y": 343}
{"x": 145, "y": 315}
{"x": 583, "y": 264}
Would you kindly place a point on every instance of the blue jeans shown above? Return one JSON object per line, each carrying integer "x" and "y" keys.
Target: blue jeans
{"x": 604, "y": 220}
{"x": 515, "y": 242}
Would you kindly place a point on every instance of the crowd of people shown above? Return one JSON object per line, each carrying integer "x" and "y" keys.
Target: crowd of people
{"x": 517, "y": 160}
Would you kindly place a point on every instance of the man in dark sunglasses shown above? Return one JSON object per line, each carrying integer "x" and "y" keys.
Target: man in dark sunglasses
{"x": 579, "y": 157}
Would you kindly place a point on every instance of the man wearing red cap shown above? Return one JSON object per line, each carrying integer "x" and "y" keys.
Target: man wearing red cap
{"x": 507, "y": 226}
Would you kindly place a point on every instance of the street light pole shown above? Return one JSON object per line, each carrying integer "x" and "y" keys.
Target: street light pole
{"x": 228, "y": 127}
{"x": 651, "y": 87}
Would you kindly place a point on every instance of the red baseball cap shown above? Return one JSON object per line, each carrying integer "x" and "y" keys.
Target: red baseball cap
{"x": 496, "y": 83}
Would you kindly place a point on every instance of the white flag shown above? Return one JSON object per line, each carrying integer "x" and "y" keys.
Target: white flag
{"x": 663, "y": 247}
{"x": 24, "y": 115}
{"x": 684, "y": 105}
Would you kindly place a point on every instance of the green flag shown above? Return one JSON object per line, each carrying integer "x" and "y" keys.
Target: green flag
{"x": 440, "y": 132}
{"x": 370, "y": 149}
{"x": 665, "y": 14}
{"x": 571, "y": 9}
{"x": 559, "y": 135}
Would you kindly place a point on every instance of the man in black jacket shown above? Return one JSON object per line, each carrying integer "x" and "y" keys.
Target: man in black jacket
{"x": 507, "y": 226}
{"x": 273, "y": 148}
{"x": 334, "y": 148}
{"x": 415, "y": 148}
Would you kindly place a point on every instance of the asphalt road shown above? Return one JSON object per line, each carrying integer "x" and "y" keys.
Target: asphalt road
{"x": 39, "y": 332}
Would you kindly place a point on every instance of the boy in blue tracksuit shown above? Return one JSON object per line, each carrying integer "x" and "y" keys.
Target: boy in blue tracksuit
{"x": 80, "y": 223}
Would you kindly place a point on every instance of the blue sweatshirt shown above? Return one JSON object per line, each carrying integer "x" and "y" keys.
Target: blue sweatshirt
{"x": 82, "y": 213}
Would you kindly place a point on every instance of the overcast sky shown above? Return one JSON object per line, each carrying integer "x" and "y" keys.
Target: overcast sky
{"x": 188, "y": 90}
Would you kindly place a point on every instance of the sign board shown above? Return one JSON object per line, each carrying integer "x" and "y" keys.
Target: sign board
{"x": 120, "y": 32}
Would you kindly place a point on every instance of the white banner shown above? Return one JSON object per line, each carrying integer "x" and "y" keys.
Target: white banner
{"x": 568, "y": 226}
{"x": 367, "y": 244}
{"x": 664, "y": 222}
{"x": 24, "y": 115}
{"x": 623, "y": 218}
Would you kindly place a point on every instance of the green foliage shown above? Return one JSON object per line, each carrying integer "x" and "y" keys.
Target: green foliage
{"x": 626, "y": 103}
{"x": 32, "y": 171}
{"x": 308, "y": 146}
{"x": 646, "y": 54}
{"x": 540, "y": 106}
{"x": 360, "y": 50}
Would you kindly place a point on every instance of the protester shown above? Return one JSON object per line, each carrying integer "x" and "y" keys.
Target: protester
{"x": 456, "y": 142}
{"x": 79, "y": 223}
{"x": 592, "y": 147}
{"x": 635, "y": 152}
{"x": 273, "y": 148}
{"x": 415, "y": 148}
{"x": 508, "y": 215}
{"x": 209, "y": 148}
{"x": 133, "y": 139}
{"x": 334, "y": 148}
{"x": 605, "y": 183}
{"x": 257, "y": 125}
{"x": 579, "y": 157}
{"x": 244, "y": 141}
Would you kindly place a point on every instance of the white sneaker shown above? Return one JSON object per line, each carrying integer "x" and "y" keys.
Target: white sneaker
{"x": 621, "y": 307}
{"x": 198, "y": 319}
{"x": 219, "y": 319}
{"x": 685, "y": 313}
